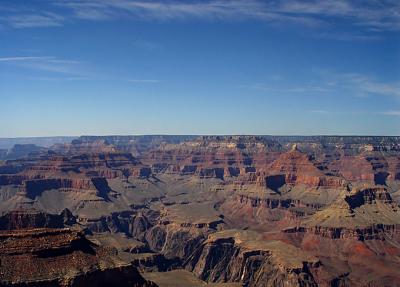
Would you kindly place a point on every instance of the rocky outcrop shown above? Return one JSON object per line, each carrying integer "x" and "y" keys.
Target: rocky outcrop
{"x": 34, "y": 188}
{"x": 188, "y": 169}
{"x": 61, "y": 257}
{"x": 273, "y": 202}
{"x": 368, "y": 196}
{"x": 82, "y": 161}
{"x": 10, "y": 169}
{"x": 13, "y": 179}
{"x": 211, "y": 173}
{"x": 28, "y": 219}
{"x": 142, "y": 172}
{"x": 295, "y": 167}
{"x": 152, "y": 262}
{"x": 238, "y": 256}
{"x": 373, "y": 232}
{"x": 367, "y": 213}
{"x": 182, "y": 201}
{"x": 268, "y": 211}
{"x": 132, "y": 223}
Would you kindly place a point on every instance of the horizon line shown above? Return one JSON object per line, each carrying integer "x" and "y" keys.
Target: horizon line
{"x": 199, "y": 135}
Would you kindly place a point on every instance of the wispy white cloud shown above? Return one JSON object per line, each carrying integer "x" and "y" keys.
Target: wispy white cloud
{"x": 362, "y": 85}
{"x": 48, "y": 64}
{"x": 327, "y": 82}
{"x": 33, "y": 19}
{"x": 371, "y": 14}
{"x": 180, "y": 10}
{"x": 19, "y": 59}
{"x": 376, "y": 15}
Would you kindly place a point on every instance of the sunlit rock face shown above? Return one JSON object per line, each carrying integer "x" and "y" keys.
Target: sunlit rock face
{"x": 245, "y": 210}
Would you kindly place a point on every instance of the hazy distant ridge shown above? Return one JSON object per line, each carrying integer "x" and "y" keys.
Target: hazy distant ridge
{"x": 6, "y": 143}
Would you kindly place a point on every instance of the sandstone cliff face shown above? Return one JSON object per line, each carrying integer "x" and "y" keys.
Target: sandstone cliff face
{"x": 229, "y": 162}
{"x": 175, "y": 240}
{"x": 174, "y": 236}
{"x": 81, "y": 146}
{"x": 303, "y": 212}
{"x": 373, "y": 232}
{"x": 352, "y": 162}
{"x": 268, "y": 210}
{"x": 233, "y": 257}
{"x": 367, "y": 213}
{"x": 368, "y": 196}
{"x": 34, "y": 188}
{"x": 12, "y": 179}
{"x": 359, "y": 208}
{"x": 212, "y": 157}
{"x": 99, "y": 162}
{"x": 61, "y": 257}
{"x": 29, "y": 219}
{"x": 295, "y": 168}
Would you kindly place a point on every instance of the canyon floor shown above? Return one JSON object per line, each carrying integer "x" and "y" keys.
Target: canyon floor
{"x": 201, "y": 211}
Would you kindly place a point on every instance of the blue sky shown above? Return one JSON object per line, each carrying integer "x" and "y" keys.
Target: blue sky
{"x": 199, "y": 67}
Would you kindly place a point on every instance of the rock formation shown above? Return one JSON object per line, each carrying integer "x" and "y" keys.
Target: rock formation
{"x": 61, "y": 257}
{"x": 241, "y": 210}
